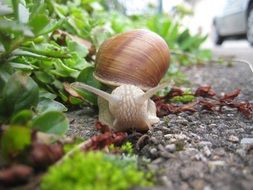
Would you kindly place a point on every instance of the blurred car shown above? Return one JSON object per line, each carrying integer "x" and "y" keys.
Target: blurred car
{"x": 235, "y": 21}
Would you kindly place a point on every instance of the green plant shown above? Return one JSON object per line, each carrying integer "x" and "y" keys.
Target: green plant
{"x": 128, "y": 148}
{"x": 95, "y": 171}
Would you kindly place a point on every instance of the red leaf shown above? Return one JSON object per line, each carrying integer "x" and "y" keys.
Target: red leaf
{"x": 43, "y": 155}
{"x": 105, "y": 139}
{"x": 102, "y": 128}
{"x": 230, "y": 96}
{"x": 15, "y": 174}
{"x": 205, "y": 91}
{"x": 209, "y": 105}
{"x": 245, "y": 108}
{"x": 174, "y": 92}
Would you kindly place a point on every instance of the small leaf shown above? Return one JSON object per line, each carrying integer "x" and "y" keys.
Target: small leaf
{"x": 38, "y": 22}
{"x": 10, "y": 27}
{"x": 20, "y": 92}
{"x": 86, "y": 76}
{"x": 23, "y": 13}
{"x": 44, "y": 77}
{"x": 77, "y": 47}
{"x": 14, "y": 140}
{"x": 22, "y": 117}
{"x": 4, "y": 9}
{"x": 51, "y": 122}
{"x": 46, "y": 105}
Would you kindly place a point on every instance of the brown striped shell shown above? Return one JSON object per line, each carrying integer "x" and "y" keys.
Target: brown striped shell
{"x": 138, "y": 57}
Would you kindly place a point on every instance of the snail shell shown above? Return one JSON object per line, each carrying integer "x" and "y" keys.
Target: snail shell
{"x": 138, "y": 57}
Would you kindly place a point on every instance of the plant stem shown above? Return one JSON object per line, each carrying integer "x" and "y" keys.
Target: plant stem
{"x": 53, "y": 54}
{"x": 73, "y": 150}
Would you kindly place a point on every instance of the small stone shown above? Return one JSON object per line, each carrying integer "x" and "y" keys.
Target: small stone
{"x": 168, "y": 136}
{"x": 198, "y": 184}
{"x": 241, "y": 152}
{"x": 166, "y": 182}
{"x": 170, "y": 147}
{"x": 205, "y": 143}
{"x": 215, "y": 164}
{"x": 233, "y": 138}
{"x": 154, "y": 140}
{"x": 166, "y": 155}
{"x": 173, "y": 140}
{"x": 200, "y": 157}
{"x": 212, "y": 125}
{"x": 180, "y": 136}
{"x": 207, "y": 151}
{"x": 207, "y": 187}
{"x": 153, "y": 151}
{"x": 161, "y": 148}
{"x": 247, "y": 141}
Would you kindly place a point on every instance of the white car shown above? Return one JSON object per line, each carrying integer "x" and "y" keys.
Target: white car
{"x": 235, "y": 21}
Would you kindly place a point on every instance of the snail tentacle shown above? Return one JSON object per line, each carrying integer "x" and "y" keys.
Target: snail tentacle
{"x": 110, "y": 98}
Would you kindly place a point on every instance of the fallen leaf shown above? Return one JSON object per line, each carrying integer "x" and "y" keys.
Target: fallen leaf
{"x": 205, "y": 91}
{"x": 228, "y": 97}
{"x": 15, "y": 174}
{"x": 43, "y": 155}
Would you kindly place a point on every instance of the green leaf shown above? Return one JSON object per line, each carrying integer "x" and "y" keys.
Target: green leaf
{"x": 22, "y": 117}
{"x": 20, "y": 92}
{"x": 38, "y": 22}
{"x": 23, "y": 13}
{"x": 46, "y": 105}
{"x": 44, "y": 77}
{"x": 51, "y": 122}
{"x": 14, "y": 140}
{"x": 4, "y": 9}
{"x": 13, "y": 27}
{"x": 63, "y": 70}
{"x": 78, "y": 48}
{"x": 21, "y": 66}
{"x": 86, "y": 76}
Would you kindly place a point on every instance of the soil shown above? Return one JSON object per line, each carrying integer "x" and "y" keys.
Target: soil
{"x": 200, "y": 151}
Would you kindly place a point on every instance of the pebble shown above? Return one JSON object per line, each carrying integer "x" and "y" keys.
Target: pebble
{"x": 207, "y": 151}
{"x": 233, "y": 138}
{"x": 170, "y": 147}
{"x": 200, "y": 157}
{"x": 166, "y": 182}
{"x": 168, "y": 136}
{"x": 153, "y": 151}
{"x": 212, "y": 125}
{"x": 214, "y": 164}
{"x": 198, "y": 184}
{"x": 205, "y": 143}
{"x": 247, "y": 141}
{"x": 180, "y": 136}
{"x": 154, "y": 140}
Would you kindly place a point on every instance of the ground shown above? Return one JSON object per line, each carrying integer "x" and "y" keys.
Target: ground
{"x": 203, "y": 150}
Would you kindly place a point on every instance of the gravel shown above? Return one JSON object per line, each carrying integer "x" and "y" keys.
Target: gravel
{"x": 200, "y": 151}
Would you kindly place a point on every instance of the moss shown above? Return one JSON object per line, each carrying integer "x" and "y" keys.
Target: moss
{"x": 95, "y": 171}
{"x": 128, "y": 148}
{"x": 185, "y": 98}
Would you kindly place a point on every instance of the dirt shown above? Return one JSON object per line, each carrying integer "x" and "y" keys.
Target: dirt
{"x": 200, "y": 151}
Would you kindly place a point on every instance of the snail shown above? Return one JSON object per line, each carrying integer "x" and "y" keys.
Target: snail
{"x": 132, "y": 62}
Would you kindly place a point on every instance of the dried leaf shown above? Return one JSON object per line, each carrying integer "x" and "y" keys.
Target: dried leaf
{"x": 228, "y": 97}
{"x": 174, "y": 92}
{"x": 72, "y": 91}
{"x": 105, "y": 139}
{"x": 205, "y": 91}
{"x": 15, "y": 174}
{"x": 43, "y": 155}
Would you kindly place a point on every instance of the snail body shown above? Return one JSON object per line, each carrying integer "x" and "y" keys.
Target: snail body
{"x": 132, "y": 62}
{"x": 127, "y": 107}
